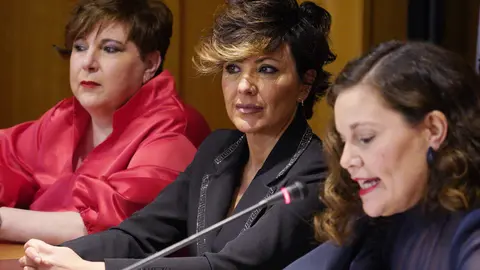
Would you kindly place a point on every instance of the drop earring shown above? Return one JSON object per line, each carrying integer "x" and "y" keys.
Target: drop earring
{"x": 430, "y": 156}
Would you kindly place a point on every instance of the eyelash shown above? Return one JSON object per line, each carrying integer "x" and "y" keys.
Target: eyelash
{"x": 111, "y": 49}
{"x": 272, "y": 70}
{"x": 267, "y": 69}
{"x": 78, "y": 48}
{"x": 366, "y": 140}
{"x": 107, "y": 49}
{"x": 231, "y": 68}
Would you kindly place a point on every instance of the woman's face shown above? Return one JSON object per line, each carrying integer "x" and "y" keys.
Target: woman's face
{"x": 262, "y": 92}
{"x": 384, "y": 155}
{"x": 106, "y": 69}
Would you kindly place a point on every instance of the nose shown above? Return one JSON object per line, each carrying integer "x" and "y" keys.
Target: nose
{"x": 246, "y": 86}
{"x": 349, "y": 159}
{"x": 89, "y": 60}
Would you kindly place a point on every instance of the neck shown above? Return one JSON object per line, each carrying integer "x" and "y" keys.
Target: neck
{"x": 101, "y": 128}
{"x": 261, "y": 144}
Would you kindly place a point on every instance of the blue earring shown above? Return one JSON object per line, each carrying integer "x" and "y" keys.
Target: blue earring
{"x": 430, "y": 156}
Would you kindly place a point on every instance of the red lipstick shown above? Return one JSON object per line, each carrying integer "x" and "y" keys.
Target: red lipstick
{"x": 89, "y": 84}
{"x": 366, "y": 185}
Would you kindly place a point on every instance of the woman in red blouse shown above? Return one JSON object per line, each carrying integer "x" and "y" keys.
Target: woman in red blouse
{"x": 94, "y": 159}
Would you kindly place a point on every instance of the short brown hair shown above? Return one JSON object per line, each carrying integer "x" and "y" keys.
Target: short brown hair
{"x": 413, "y": 78}
{"x": 150, "y": 22}
{"x": 246, "y": 28}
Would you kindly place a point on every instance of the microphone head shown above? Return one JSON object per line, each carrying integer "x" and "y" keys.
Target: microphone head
{"x": 297, "y": 191}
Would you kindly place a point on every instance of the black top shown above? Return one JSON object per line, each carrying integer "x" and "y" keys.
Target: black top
{"x": 269, "y": 238}
{"x": 407, "y": 241}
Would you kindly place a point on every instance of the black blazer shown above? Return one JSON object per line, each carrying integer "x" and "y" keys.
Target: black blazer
{"x": 269, "y": 238}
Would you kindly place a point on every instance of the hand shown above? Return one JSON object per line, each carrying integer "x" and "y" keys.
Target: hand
{"x": 42, "y": 256}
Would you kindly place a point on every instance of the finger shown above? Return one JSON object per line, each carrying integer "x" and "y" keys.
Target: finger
{"x": 47, "y": 262}
{"x": 22, "y": 261}
{"x": 25, "y": 261}
{"x": 32, "y": 254}
{"x": 35, "y": 243}
{"x": 41, "y": 247}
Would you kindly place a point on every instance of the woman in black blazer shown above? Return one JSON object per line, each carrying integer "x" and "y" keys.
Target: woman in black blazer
{"x": 272, "y": 75}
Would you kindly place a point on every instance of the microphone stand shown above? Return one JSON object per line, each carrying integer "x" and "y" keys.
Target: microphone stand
{"x": 285, "y": 193}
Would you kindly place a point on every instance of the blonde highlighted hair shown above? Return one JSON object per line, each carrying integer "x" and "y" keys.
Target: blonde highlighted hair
{"x": 253, "y": 27}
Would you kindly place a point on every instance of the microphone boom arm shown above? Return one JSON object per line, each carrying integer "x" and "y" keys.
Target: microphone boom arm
{"x": 292, "y": 192}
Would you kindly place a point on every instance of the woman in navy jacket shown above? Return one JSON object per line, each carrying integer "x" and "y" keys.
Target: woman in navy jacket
{"x": 404, "y": 160}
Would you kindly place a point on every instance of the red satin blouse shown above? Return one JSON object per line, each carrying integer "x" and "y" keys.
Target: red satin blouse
{"x": 154, "y": 138}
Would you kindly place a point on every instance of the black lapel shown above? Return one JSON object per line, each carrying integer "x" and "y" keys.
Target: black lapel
{"x": 287, "y": 150}
{"x": 217, "y": 189}
{"x": 270, "y": 177}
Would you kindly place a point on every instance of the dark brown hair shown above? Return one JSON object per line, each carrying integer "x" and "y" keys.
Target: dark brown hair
{"x": 414, "y": 79}
{"x": 149, "y": 22}
{"x": 247, "y": 28}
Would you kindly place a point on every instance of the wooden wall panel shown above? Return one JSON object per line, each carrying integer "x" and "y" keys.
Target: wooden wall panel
{"x": 32, "y": 76}
{"x": 388, "y": 20}
{"x": 172, "y": 61}
{"x": 203, "y": 92}
{"x": 6, "y": 55}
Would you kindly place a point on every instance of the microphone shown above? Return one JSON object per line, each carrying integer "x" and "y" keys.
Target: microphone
{"x": 297, "y": 191}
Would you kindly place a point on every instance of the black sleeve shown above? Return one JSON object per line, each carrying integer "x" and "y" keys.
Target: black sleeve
{"x": 281, "y": 235}
{"x": 153, "y": 228}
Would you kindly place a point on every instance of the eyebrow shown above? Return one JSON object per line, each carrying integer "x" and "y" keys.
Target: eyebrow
{"x": 106, "y": 40}
{"x": 259, "y": 60}
{"x": 359, "y": 124}
{"x": 264, "y": 58}
{"x": 356, "y": 125}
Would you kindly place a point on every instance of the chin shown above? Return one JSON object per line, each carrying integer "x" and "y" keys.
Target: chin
{"x": 88, "y": 103}
{"x": 373, "y": 209}
{"x": 246, "y": 127}
{"x": 91, "y": 105}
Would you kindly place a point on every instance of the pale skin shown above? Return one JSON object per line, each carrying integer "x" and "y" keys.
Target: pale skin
{"x": 380, "y": 144}
{"x": 107, "y": 58}
{"x": 269, "y": 82}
